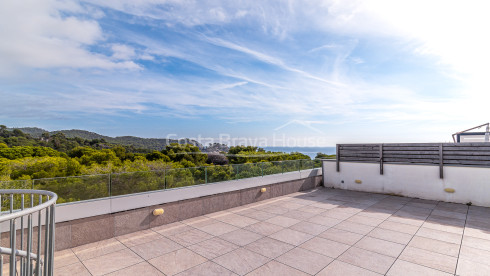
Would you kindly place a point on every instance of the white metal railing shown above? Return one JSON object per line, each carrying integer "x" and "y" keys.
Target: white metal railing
{"x": 25, "y": 257}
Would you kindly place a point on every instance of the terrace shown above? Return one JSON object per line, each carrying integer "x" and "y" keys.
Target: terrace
{"x": 386, "y": 209}
{"x": 321, "y": 231}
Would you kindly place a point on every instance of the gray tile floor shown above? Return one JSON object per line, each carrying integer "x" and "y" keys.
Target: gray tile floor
{"x": 317, "y": 232}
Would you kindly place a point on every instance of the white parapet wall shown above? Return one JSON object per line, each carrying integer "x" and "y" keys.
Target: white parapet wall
{"x": 102, "y": 206}
{"x": 470, "y": 184}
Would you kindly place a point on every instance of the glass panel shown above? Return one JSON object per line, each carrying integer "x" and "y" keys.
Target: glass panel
{"x": 176, "y": 178}
{"x": 137, "y": 182}
{"x": 271, "y": 167}
{"x": 16, "y": 184}
{"x": 220, "y": 173}
{"x": 317, "y": 163}
{"x": 247, "y": 170}
{"x": 306, "y": 164}
{"x": 290, "y": 165}
{"x": 75, "y": 188}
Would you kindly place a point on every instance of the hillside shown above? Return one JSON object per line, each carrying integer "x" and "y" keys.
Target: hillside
{"x": 137, "y": 142}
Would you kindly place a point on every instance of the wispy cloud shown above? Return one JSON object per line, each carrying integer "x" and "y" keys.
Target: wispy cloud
{"x": 346, "y": 62}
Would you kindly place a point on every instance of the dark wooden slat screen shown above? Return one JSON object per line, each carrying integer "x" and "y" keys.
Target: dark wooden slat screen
{"x": 463, "y": 154}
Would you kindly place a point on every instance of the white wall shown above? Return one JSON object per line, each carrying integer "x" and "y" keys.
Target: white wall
{"x": 471, "y": 184}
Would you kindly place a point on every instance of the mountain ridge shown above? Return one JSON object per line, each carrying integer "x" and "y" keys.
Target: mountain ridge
{"x": 138, "y": 142}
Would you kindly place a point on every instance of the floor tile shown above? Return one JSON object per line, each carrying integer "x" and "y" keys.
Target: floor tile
{"x": 299, "y": 214}
{"x": 237, "y": 220}
{"x": 399, "y": 227}
{"x": 264, "y": 228}
{"x": 430, "y": 259}
{"x": 172, "y": 229}
{"x": 198, "y": 221}
{"x": 241, "y": 237}
{"x": 190, "y": 237}
{"x": 256, "y": 214}
{"x": 213, "y": 248}
{"x": 218, "y": 228}
{"x": 325, "y": 221}
{"x": 326, "y": 247}
{"x": 477, "y": 233}
{"x": 439, "y": 235}
{"x": 312, "y": 209}
{"x": 337, "y": 268}
{"x": 406, "y": 220}
{"x": 282, "y": 221}
{"x": 476, "y": 243}
{"x": 275, "y": 210}
{"x": 96, "y": 249}
{"x": 111, "y": 262}
{"x": 309, "y": 228}
{"x": 389, "y": 235}
{"x": 341, "y": 236}
{"x": 177, "y": 261}
{"x": 269, "y": 247}
{"x": 291, "y": 236}
{"x": 387, "y": 248}
{"x": 367, "y": 259}
{"x": 365, "y": 220}
{"x": 139, "y": 237}
{"x": 143, "y": 268}
{"x": 156, "y": 248}
{"x": 241, "y": 261}
{"x": 437, "y": 246}
{"x": 471, "y": 268}
{"x": 305, "y": 260}
{"x": 475, "y": 255}
{"x": 354, "y": 227}
{"x": 336, "y": 214}
{"x": 375, "y": 213}
{"x": 64, "y": 258}
{"x": 276, "y": 268}
{"x": 74, "y": 269}
{"x": 404, "y": 268}
{"x": 207, "y": 269}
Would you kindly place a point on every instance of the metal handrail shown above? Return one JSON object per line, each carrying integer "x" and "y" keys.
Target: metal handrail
{"x": 17, "y": 214}
{"x": 30, "y": 263}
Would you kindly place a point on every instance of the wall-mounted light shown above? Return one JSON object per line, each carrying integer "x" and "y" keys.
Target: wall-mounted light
{"x": 158, "y": 212}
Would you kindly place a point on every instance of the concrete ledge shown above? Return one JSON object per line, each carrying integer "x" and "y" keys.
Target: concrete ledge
{"x": 96, "y": 207}
{"x": 72, "y": 233}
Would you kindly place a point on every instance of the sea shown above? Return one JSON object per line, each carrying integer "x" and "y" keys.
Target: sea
{"x": 310, "y": 151}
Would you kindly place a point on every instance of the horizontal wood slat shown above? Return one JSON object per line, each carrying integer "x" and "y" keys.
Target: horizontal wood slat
{"x": 466, "y": 154}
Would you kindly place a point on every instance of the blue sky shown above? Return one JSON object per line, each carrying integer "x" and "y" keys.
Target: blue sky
{"x": 314, "y": 73}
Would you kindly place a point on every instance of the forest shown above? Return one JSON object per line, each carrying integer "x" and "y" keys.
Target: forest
{"x": 79, "y": 169}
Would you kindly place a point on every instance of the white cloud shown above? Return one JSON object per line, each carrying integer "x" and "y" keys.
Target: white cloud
{"x": 40, "y": 34}
{"x": 122, "y": 52}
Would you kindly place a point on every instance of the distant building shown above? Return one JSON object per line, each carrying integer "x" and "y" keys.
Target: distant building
{"x": 470, "y": 136}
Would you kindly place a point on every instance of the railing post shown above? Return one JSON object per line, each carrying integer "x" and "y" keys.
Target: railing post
{"x": 110, "y": 184}
{"x": 21, "y": 234}
{"x": 337, "y": 152}
{"x": 51, "y": 241}
{"x": 46, "y": 239}
{"x": 205, "y": 175}
{"x": 13, "y": 238}
{"x": 441, "y": 162}
{"x": 381, "y": 159}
